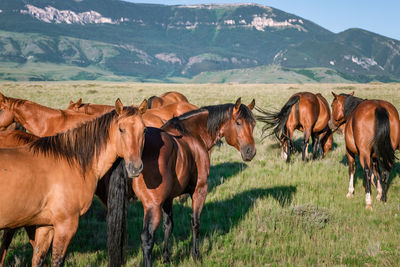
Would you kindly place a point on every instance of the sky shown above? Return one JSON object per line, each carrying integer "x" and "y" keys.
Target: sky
{"x": 382, "y": 17}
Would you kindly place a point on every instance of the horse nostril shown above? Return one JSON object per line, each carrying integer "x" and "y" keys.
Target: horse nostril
{"x": 140, "y": 167}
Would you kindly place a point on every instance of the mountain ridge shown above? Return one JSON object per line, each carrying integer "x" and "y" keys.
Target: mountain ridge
{"x": 160, "y": 42}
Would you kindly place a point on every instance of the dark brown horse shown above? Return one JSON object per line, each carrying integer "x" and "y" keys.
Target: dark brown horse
{"x": 61, "y": 173}
{"x": 166, "y": 99}
{"x": 38, "y": 119}
{"x": 306, "y": 112}
{"x": 176, "y": 162}
{"x": 372, "y": 132}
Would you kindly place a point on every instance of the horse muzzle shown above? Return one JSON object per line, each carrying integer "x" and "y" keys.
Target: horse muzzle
{"x": 134, "y": 170}
{"x": 248, "y": 152}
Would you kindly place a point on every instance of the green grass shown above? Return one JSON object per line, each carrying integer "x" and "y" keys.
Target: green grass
{"x": 259, "y": 213}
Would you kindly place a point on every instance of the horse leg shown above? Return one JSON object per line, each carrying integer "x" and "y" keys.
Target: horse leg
{"x": 63, "y": 233}
{"x": 307, "y": 134}
{"x": 198, "y": 199}
{"x": 384, "y": 181}
{"x": 375, "y": 175}
{"x": 289, "y": 145}
{"x": 43, "y": 239}
{"x": 352, "y": 171}
{"x": 5, "y": 243}
{"x": 168, "y": 226}
{"x": 366, "y": 163}
{"x": 151, "y": 221}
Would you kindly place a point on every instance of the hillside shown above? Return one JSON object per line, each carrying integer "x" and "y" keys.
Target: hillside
{"x": 116, "y": 40}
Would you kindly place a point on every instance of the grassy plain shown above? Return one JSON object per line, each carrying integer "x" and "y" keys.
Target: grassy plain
{"x": 259, "y": 213}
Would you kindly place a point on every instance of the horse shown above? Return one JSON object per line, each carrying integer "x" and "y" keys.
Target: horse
{"x": 176, "y": 161}
{"x": 371, "y": 132}
{"x": 306, "y": 112}
{"x": 37, "y": 119}
{"x": 165, "y": 99}
{"x": 61, "y": 173}
{"x": 154, "y": 117}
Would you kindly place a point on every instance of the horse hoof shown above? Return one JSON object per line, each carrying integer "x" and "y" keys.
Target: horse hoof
{"x": 368, "y": 207}
{"x": 349, "y": 195}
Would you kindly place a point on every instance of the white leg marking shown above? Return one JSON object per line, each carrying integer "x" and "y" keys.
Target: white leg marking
{"x": 379, "y": 188}
{"x": 351, "y": 186}
{"x": 368, "y": 199}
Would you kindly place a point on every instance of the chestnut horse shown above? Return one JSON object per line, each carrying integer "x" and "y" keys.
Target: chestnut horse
{"x": 166, "y": 99}
{"x": 371, "y": 132}
{"x": 38, "y": 119}
{"x": 306, "y": 112}
{"x": 155, "y": 117}
{"x": 61, "y": 173}
{"x": 176, "y": 162}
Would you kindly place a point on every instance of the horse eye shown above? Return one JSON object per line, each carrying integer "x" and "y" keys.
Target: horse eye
{"x": 121, "y": 130}
{"x": 238, "y": 123}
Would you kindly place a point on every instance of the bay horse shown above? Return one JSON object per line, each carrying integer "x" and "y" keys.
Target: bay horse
{"x": 371, "y": 132}
{"x": 306, "y": 112}
{"x": 40, "y": 120}
{"x": 61, "y": 173}
{"x": 176, "y": 161}
{"x": 166, "y": 99}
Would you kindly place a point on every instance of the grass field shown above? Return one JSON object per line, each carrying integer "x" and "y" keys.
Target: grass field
{"x": 259, "y": 213}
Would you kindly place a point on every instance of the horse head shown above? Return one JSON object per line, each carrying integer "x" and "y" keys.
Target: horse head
{"x": 131, "y": 130}
{"x": 239, "y": 130}
{"x": 338, "y": 115}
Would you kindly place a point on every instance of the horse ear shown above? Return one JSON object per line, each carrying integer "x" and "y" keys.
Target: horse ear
{"x": 70, "y": 102}
{"x": 118, "y": 106}
{"x": 1, "y": 97}
{"x": 252, "y": 104}
{"x": 334, "y": 95}
{"x": 237, "y": 105}
{"x": 79, "y": 102}
{"x": 352, "y": 93}
{"x": 143, "y": 107}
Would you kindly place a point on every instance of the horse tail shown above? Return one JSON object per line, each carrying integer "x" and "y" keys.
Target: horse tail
{"x": 277, "y": 120}
{"x": 116, "y": 214}
{"x": 150, "y": 101}
{"x": 382, "y": 146}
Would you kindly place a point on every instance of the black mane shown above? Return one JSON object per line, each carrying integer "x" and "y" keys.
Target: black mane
{"x": 80, "y": 144}
{"x": 217, "y": 115}
{"x": 350, "y": 103}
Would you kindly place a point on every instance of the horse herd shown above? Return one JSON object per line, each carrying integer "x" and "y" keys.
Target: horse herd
{"x": 53, "y": 161}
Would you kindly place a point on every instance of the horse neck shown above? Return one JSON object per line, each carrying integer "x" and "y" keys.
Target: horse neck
{"x": 198, "y": 125}
{"x": 104, "y": 160}
{"x": 350, "y": 104}
{"x": 30, "y": 114}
